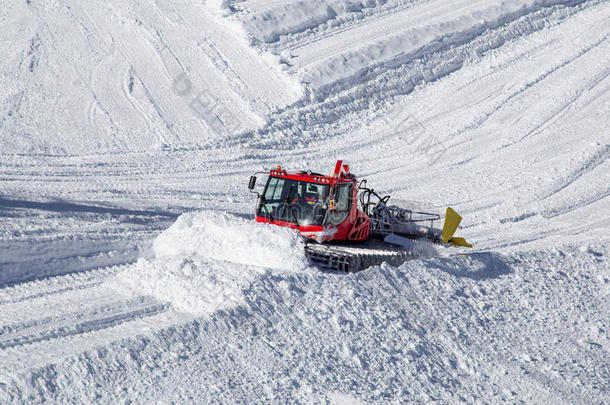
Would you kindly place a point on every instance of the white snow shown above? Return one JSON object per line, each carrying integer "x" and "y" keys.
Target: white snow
{"x": 118, "y": 76}
{"x": 131, "y": 269}
{"x": 221, "y": 236}
{"x": 192, "y": 264}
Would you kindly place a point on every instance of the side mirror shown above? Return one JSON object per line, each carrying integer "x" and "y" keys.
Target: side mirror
{"x": 252, "y": 182}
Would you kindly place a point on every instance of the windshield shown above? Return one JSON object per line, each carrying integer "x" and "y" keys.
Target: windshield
{"x": 294, "y": 201}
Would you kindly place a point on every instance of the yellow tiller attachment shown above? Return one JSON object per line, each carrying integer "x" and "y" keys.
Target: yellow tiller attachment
{"x": 452, "y": 221}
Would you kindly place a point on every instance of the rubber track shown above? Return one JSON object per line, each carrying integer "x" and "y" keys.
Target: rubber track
{"x": 352, "y": 258}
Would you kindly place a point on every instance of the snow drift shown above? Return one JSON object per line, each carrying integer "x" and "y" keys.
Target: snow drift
{"x": 221, "y": 236}
{"x": 205, "y": 259}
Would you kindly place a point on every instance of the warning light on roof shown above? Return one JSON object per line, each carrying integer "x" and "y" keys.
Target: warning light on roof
{"x": 279, "y": 167}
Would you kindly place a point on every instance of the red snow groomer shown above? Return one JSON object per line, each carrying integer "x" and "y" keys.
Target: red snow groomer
{"x": 348, "y": 226}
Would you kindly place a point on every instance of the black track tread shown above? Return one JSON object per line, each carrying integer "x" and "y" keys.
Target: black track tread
{"x": 358, "y": 256}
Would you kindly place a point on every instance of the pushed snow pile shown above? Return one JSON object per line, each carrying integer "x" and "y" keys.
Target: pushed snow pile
{"x": 226, "y": 237}
{"x": 194, "y": 286}
{"x": 204, "y": 261}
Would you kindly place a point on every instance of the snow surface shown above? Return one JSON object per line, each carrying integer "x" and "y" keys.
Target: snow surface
{"x": 193, "y": 263}
{"x": 130, "y": 268}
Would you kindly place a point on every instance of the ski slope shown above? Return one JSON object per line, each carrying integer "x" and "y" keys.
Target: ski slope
{"x": 130, "y": 268}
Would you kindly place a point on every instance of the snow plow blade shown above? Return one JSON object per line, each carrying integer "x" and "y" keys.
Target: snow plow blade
{"x": 452, "y": 221}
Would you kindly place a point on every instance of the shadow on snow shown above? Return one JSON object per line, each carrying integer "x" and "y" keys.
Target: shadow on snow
{"x": 64, "y": 206}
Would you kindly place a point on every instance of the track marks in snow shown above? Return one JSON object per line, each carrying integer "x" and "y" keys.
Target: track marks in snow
{"x": 602, "y": 156}
{"x": 304, "y": 23}
{"x": 33, "y": 53}
{"x": 71, "y": 324}
{"x": 335, "y": 111}
{"x": 402, "y": 37}
{"x": 355, "y": 37}
{"x": 90, "y": 46}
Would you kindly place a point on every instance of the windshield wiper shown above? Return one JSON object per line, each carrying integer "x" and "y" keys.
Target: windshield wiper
{"x": 296, "y": 221}
{"x": 285, "y": 205}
